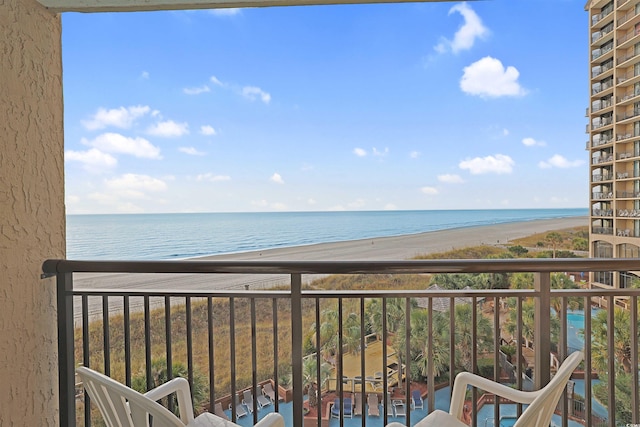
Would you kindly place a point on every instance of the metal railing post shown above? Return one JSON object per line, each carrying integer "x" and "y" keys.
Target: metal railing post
{"x": 542, "y": 331}
{"x": 296, "y": 347}
{"x": 66, "y": 379}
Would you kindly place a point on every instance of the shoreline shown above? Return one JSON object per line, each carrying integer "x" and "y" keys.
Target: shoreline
{"x": 405, "y": 246}
{"x": 396, "y": 248}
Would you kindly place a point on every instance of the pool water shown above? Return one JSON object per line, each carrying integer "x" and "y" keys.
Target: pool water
{"x": 508, "y": 417}
{"x": 286, "y": 410}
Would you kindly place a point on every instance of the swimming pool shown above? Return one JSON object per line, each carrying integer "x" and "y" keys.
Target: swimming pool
{"x": 286, "y": 410}
{"x": 508, "y": 416}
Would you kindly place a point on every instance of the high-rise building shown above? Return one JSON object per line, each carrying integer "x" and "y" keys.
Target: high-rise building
{"x": 614, "y": 134}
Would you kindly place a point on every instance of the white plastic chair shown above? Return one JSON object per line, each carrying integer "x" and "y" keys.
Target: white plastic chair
{"x": 122, "y": 406}
{"x": 542, "y": 403}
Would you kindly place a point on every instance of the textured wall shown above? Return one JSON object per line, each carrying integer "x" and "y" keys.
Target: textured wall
{"x": 32, "y": 222}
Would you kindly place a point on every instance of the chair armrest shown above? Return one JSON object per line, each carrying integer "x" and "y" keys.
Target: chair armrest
{"x": 465, "y": 379}
{"x": 180, "y": 387}
{"x": 272, "y": 419}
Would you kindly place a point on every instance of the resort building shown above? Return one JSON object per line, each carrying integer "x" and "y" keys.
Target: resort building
{"x": 614, "y": 135}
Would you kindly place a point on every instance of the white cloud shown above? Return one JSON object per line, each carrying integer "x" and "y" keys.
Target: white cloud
{"x": 131, "y": 182}
{"x": 191, "y": 151}
{"x": 530, "y": 142}
{"x": 278, "y": 206}
{"x": 414, "y": 154}
{"x": 260, "y": 203}
{"x": 207, "y": 130}
{"x": 231, "y": 11}
{"x": 253, "y": 92}
{"x": 277, "y": 178}
{"x": 196, "y": 90}
{"x": 215, "y": 81}
{"x": 93, "y": 160}
{"x": 357, "y": 204}
{"x": 168, "y": 129}
{"x": 115, "y": 143}
{"x": 450, "y": 179}
{"x": 212, "y": 178}
{"x": 469, "y": 31}
{"x": 390, "y": 207}
{"x": 118, "y": 117}
{"x": 360, "y": 152}
{"x": 505, "y": 132}
{"x": 559, "y": 161}
{"x": 431, "y": 191}
{"x": 144, "y": 75}
{"x": 491, "y": 164}
{"x": 378, "y": 153}
{"x": 311, "y": 201}
{"x": 487, "y": 77}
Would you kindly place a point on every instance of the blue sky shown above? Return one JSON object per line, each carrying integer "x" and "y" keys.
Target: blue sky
{"x": 477, "y": 105}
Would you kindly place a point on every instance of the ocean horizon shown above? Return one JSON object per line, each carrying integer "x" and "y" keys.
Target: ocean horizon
{"x": 187, "y": 235}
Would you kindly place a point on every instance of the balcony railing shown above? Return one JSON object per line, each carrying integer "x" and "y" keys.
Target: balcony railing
{"x": 602, "y": 230}
{"x": 599, "y": 195}
{"x": 161, "y": 317}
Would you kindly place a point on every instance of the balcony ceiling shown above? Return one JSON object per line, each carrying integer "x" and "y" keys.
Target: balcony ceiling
{"x": 141, "y": 5}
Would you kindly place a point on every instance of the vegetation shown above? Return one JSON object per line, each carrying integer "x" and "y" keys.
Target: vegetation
{"x": 621, "y": 354}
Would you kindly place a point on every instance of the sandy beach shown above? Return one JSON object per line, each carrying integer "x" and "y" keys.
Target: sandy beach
{"x": 385, "y": 248}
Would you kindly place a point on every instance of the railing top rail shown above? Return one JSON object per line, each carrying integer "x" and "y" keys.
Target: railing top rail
{"x": 344, "y": 293}
{"x": 52, "y": 267}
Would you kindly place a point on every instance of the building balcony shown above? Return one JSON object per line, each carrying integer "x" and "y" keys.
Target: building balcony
{"x": 602, "y": 195}
{"x": 230, "y": 340}
{"x": 628, "y": 20}
{"x": 602, "y": 212}
{"x": 627, "y": 40}
{"x": 597, "y": 142}
{"x": 627, "y": 194}
{"x": 601, "y": 18}
{"x": 601, "y": 177}
{"x": 602, "y": 159}
{"x": 601, "y": 70}
{"x": 602, "y": 230}
{"x": 602, "y": 53}
{"x": 628, "y": 79}
{"x": 627, "y": 116}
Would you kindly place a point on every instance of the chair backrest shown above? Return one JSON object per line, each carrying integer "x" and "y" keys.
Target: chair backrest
{"x": 540, "y": 411}
{"x": 122, "y": 406}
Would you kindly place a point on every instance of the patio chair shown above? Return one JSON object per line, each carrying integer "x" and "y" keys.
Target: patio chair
{"x": 262, "y": 399}
{"x": 390, "y": 407}
{"x": 542, "y": 403}
{"x": 268, "y": 391}
{"x": 416, "y": 399}
{"x": 357, "y": 407}
{"x": 123, "y": 406}
{"x": 373, "y": 405}
{"x": 347, "y": 408}
{"x": 240, "y": 409}
{"x": 399, "y": 409}
{"x": 217, "y": 409}
{"x": 247, "y": 400}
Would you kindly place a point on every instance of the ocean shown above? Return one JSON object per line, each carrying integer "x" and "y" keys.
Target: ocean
{"x": 180, "y": 236}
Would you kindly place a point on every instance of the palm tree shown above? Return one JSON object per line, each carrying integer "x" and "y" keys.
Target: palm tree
{"x": 419, "y": 342}
{"x": 464, "y": 331}
{"x": 310, "y": 379}
{"x": 621, "y": 351}
{"x": 562, "y": 281}
{"x": 554, "y": 239}
{"x": 329, "y": 328}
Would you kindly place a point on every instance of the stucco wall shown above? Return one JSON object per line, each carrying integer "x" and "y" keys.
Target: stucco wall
{"x": 32, "y": 222}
